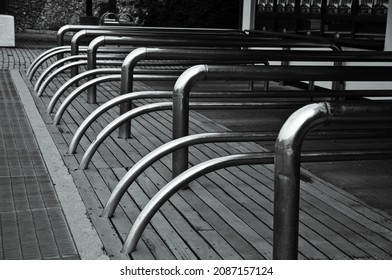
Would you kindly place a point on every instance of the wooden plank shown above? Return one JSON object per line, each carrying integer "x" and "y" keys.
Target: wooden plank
{"x": 108, "y": 235}
{"x": 100, "y": 189}
{"x": 123, "y": 224}
{"x": 355, "y": 203}
{"x": 331, "y": 208}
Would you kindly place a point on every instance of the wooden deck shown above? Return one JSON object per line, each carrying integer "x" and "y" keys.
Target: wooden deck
{"x": 224, "y": 215}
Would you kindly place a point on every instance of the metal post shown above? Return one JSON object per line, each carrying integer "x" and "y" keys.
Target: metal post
{"x": 286, "y": 207}
{"x": 287, "y": 162}
{"x": 91, "y": 64}
{"x": 127, "y": 86}
{"x": 181, "y": 113}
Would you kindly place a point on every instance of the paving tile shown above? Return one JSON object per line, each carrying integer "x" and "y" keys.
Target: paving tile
{"x": 28, "y": 231}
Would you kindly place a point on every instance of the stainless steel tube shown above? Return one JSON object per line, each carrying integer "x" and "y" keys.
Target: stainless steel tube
{"x": 55, "y": 65}
{"x": 234, "y": 56}
{"x": 185, "y": 40}
{"x": 198, "y": 56}
{"x": 78, "y": 91}
{"x": 41, "y": 85}
{"x": 110, "y": 104}
{"x": 168, "y": 106}
{"x": 44, "y": 54}
{"x": 285, "y": 179}
{"x": 288, "y": 156}
{"x": 155, "y": 94}
{"x": 223, "y": 162}
{"x": 291, "y": 73}
{"x": 178, "y": 183}
{"x": 98, "y": 80}
{"x": 41, "y": 61}
{"x": 74, "y": 28}
{"x": 114, "y": 124}
{"x": 75, "y": 79}
{"x": 127, "y": 180}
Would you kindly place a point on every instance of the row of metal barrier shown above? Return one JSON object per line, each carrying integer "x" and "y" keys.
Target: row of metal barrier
{"x": 217, "y": 55}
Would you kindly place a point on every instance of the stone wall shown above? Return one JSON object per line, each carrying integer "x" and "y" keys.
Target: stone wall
{"x": 45, "y": 14}
{"x": 25, "y": 12}
{"x": 52, "y": 14}
{"x": 56, "y": 13}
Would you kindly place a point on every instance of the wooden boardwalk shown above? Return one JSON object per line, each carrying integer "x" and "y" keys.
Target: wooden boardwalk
{"x": 223, "y": 215}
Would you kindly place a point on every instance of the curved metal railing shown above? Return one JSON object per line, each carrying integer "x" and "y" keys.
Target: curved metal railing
{"x": 160, "y": 106}
{"x": 286, "y": 73}
{"x": 201, "y": 169}
{"x": 288, "y": 157}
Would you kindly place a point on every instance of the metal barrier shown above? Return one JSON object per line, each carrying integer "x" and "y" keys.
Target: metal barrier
{"x": 40, "y": 60}
{"x": 99, "y": 71}
{"x": 288, "y": 158}
{"x": 259, "y": 55}
{"x": 208, "y": 55}
{"x": 164, "y": 35}
{"x": 44, "y": 56}
{"x": 81, "y": 76}
{"x": 201, "y": 41}
{"x": 74, "y": 28}
{"x": 93, "y": 72}
{"x": 160, "y": 106}
{"x": 168, "y": 94}
{"x": 127, "y": 180}
{"x": 93, "y": 31}
{"x": 216, "y": 72}
{"x": 233, "y": 160}
{"x": 92, "y": 90}
{"x": 42, "y": 83}
{"x": 289, "y": 73}
{"x": 61, "y": 62}
{"x": 109, "y": 78}
{"x": 145, "y": 95}
{"x": 169, "y": 147}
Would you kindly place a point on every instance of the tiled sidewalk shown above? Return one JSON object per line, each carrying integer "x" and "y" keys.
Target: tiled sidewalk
{"x": 31, "y": 218}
